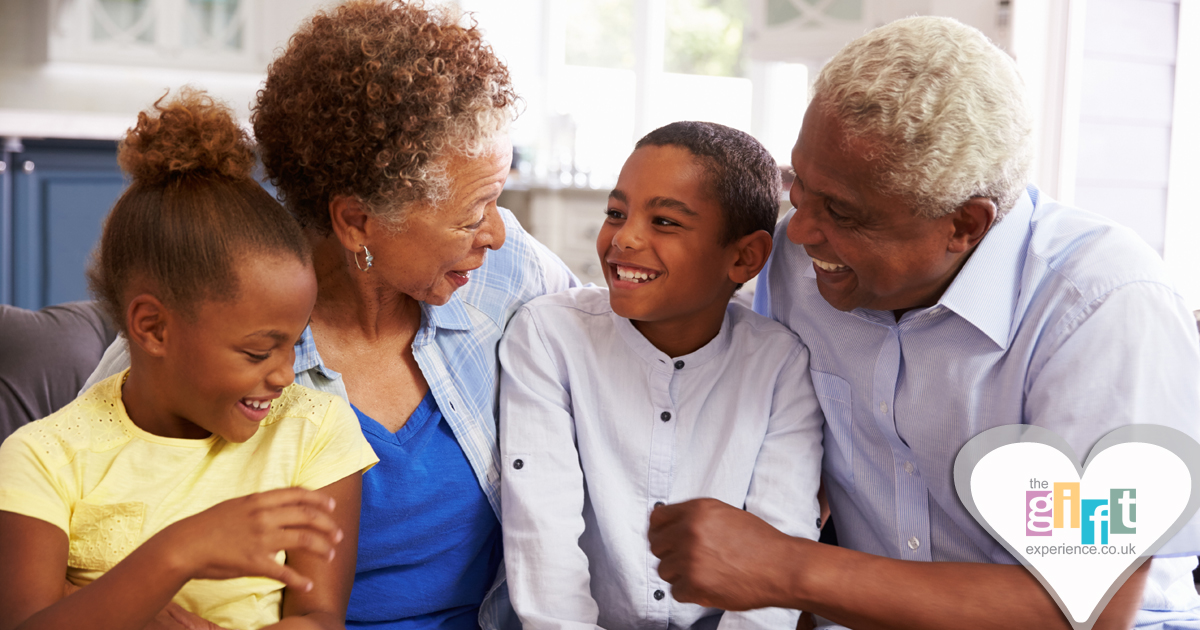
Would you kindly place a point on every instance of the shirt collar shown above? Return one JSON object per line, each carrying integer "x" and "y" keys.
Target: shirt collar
{"x": 986, "y": 289}
{"x": 308, "y": 358}
{"x": 651, "y": 354}
{"x": 450, "y": 316}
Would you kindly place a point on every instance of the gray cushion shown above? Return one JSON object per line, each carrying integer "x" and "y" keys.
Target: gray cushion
{"x": 45, "y": 356}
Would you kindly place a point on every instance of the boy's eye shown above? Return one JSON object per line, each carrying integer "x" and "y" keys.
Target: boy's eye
{"x": 614, "y": 214}
{"x": 665, "y": 222}
{"x": 257, "y": 358}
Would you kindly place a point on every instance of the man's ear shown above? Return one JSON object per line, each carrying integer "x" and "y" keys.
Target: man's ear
{"x": 972, "y": 220}
{"x": 752, "y": 252}
{"x": 349, "y": 217}
{"x": 146, "y": 324}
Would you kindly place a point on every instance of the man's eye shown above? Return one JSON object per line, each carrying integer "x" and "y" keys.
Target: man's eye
{"x": 833, "y": 214}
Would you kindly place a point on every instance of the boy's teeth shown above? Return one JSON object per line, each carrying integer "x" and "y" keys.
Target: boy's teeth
{"x": 633, "y": 275}
{"x": 828, "y": 266}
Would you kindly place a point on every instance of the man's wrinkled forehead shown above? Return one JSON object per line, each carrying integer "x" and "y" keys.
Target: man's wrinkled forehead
{"x": 831, "y": 163}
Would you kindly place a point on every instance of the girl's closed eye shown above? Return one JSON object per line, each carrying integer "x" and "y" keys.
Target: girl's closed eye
{"x": 257, "y": 357}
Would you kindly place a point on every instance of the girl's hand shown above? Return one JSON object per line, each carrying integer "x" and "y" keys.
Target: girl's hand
{"x": 175, "y": 617}
{"x": 240, "y": 537}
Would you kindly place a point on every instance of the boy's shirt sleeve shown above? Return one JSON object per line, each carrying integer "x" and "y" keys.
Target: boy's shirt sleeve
{"x": 787, "y": 474}
{"x": 338, "y": 449}
{"x": 542, "y": 492}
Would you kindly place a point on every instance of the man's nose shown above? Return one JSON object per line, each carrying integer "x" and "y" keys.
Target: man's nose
{"x": 802, "y": 229}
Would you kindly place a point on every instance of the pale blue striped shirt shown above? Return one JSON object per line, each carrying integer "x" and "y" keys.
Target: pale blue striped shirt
{"x": 1059, "y": 318}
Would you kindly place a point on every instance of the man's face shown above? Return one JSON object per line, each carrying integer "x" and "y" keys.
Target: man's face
{"x": 869, "y": 250}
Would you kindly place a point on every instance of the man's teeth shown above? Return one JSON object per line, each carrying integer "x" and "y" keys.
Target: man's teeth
{"x": 635, "y": 275}
{"x": 257, "y": 404}
{"x": 828, "y": 266}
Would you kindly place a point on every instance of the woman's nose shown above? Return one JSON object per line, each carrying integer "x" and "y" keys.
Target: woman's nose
{"x": 491, "y": 234}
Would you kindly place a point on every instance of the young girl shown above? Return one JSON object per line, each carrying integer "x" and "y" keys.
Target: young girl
{"x": 186, "y": 478}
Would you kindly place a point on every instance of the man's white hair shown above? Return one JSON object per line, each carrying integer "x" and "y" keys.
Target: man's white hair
{"x": 942, "y": 109}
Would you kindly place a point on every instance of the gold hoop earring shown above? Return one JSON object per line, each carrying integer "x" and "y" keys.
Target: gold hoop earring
{"x": 370, "y": 259}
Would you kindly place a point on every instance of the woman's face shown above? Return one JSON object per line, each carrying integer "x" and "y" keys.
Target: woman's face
{"x": 442, "y": 243}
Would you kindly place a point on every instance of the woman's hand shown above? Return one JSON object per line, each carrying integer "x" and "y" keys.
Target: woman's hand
{"x": 241, "y": 537}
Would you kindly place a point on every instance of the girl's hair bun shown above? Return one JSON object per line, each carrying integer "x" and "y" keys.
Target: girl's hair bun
{"x": 191, "y": 134}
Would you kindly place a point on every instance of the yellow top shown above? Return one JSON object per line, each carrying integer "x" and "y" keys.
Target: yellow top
{"x": 89, "y": 470}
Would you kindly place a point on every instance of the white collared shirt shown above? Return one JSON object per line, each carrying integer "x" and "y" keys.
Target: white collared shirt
{"x": 597, "y": 426}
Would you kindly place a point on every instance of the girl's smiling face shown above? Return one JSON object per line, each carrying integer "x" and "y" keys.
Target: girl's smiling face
{"x": 224, "y": 364}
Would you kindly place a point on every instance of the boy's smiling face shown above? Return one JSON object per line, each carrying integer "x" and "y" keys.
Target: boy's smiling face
{"x": 661, "y": 245}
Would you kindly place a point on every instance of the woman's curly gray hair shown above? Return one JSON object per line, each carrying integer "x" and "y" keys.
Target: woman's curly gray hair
{"x": 944, "y": 107}
{"x": 369, "y": 100}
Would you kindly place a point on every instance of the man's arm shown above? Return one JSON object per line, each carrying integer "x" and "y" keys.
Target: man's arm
{"x": 715, "y": 555}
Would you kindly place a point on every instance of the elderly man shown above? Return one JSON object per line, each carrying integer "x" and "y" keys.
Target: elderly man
{"x": 940, "y": 297}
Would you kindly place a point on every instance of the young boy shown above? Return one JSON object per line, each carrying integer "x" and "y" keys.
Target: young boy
{"x": 655, "y": 390}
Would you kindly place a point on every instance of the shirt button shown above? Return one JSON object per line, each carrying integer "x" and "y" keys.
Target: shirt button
{"x": 659, "y": 504}
{"x": 883, "y": 407}
{"x": 518, "y": 464}
{"x": 659, "y": 594}
{"x": 908, "y": 467}
{"x": 818, "y": 522}
{"x": 913, "y": 543}
{"x": 666, "y": 415}
{"x": 679, "y": 365}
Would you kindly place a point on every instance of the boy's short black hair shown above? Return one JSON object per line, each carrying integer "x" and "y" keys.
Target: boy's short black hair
{"x": 743, "y": 177}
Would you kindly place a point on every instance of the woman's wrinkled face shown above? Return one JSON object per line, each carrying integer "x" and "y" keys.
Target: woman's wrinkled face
{"x": 442, "y": 243}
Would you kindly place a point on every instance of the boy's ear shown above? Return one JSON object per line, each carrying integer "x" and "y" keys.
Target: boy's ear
{"x": 146, "y": 324}
{"x": 752, "y": 252}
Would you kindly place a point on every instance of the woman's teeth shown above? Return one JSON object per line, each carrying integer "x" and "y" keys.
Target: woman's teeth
{"x": 635, "y": 275}
{"x": 257, "y": 404}
{"x": 828, "y": 266}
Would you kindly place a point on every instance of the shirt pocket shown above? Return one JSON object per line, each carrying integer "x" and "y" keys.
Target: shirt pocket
{"x": 102, "y": 535}
{"x": 833, "y": 392}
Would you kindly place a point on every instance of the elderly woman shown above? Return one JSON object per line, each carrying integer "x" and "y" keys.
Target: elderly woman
{"x": 384, "y": 127}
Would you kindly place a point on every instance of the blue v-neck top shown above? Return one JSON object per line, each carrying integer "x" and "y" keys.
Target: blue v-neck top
{"x": 429, "y": 542}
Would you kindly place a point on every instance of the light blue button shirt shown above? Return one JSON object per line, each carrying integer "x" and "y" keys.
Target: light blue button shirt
{"x": 456, "y": 351}
{"x": 598, "y": 425}
{"x": 1059, "y": 319}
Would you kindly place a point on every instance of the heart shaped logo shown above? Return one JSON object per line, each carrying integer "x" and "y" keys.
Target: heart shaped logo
{"x": 1082, "y": 531}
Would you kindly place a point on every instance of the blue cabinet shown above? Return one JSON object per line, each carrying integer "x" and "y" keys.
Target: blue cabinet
{"x": 56, "y": 194}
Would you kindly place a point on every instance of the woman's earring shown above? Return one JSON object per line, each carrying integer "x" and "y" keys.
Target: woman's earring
{"x": 370, "y": 259}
